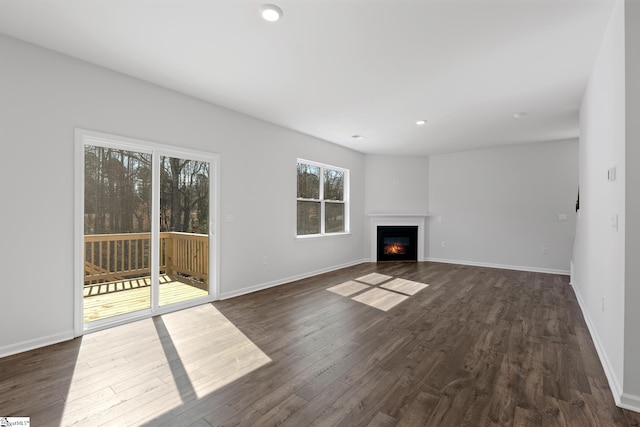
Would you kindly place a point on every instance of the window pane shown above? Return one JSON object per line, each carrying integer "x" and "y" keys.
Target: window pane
{"x": 333, "y": 185}
{"x": 334, "y": 217}
{"x": 117, "y": 196}
{"x": 184, "y": 195}
{"x": 184, "y": 230}
{"x": 308, "y": 181}
{"x": 117, "y": 238}
{"x": 308, "y": 218}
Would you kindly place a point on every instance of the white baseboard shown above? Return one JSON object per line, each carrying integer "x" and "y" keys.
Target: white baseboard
{"x": 571, "y": 273}
{"x": 630, "y": 402}
{"x": 502, "y": 266}
{"x": 623, "y": 400}
{"x": 23, "y": 346}
{"x": 267, "y": 285}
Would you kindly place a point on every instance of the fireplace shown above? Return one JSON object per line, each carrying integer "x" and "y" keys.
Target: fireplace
{"x": 415, "y": 220}
{"x": 397, "y": 243}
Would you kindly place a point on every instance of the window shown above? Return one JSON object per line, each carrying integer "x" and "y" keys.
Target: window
{"x": 322, "y": 202}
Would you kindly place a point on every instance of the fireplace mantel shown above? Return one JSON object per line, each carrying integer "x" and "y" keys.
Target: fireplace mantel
{"x": 407, "y": 219}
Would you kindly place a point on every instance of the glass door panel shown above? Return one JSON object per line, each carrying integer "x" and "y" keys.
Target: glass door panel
{"x": 117, "y": 232}
{"x": 184, "y": 230}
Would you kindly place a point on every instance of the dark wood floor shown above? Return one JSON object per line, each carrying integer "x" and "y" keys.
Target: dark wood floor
{"x": 477, "y": 347}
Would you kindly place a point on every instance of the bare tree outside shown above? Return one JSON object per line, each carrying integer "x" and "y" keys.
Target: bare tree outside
{"x": 308, "y": 199}
{"x": 184, "y": 199}
{"x": 118, "y": 193}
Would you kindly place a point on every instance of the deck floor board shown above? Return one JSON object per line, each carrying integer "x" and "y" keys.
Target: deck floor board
{"x": 127, "y": 296}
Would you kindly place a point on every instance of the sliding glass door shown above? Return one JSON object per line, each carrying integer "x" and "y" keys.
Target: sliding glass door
{"x": 146, "y": 217}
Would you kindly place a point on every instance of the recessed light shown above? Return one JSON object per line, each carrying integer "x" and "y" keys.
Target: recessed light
{"x": 357, "y": 136}
{"x": 270, "y": 12}
{"x": 519, "y": 115}
{"x": 421, "y": 122}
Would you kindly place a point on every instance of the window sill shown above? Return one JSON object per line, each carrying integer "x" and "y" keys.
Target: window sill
{"x": 318, "y": 236}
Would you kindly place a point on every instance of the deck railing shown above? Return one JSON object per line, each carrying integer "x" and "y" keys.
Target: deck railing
{"x": 111, "y": 257}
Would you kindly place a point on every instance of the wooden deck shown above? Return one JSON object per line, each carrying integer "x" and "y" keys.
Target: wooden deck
{"x": 126, "y": 296}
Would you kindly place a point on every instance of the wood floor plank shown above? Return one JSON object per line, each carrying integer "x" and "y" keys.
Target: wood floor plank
{"x": 317, "y": 405}
{"x": 281, "y": 412}
{"x": 419, "y": 411}
{"x": 476, "y": 347}
{"x": 526, "y": 418}
{"x": 325, "y": 374}
{"x": 382, "y": 420}
{"x": 347, "y": 409}
{"x": 314, "y": 370}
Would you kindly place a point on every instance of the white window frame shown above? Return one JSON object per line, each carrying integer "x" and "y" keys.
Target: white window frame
{"x": 345, "y": 201}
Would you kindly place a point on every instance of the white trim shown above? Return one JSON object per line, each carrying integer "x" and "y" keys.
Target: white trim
{"x": 267, "y": 285}
{"x": 214, "y": 226}
{"x": 383, "y": 215}
{"x": 140, "y": 145}
{"x": 629, "y": 401}
{"x": 622, "y": 400}
{"x": 78, "y": 238}
{"x": 321, "y": 165}
{"x": 23, "y": 346}
{"x": 501, "y": 266}
{"x": 84, "y": 137}
{"x": 316, "y": 236}
{"x": 154, "y": 238}
{"x": 417, "y": 220}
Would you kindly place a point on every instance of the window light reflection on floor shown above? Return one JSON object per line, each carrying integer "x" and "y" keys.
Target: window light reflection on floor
{"x": 223, "y": 355}
{"x": 368, "y": 290}
{"x": 187, "y": 355}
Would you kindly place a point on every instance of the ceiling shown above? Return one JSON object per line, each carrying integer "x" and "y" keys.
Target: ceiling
{"x": 338, "y": 68}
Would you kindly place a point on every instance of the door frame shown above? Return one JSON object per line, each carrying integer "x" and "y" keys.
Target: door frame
{"x": 87, "y": 137}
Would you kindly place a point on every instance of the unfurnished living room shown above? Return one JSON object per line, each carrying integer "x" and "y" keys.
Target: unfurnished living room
{"x": 321, "y": 212}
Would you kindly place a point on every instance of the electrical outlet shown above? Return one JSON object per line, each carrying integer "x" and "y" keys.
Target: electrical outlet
{"x": 265, "y": 260}
{"x": 443, "y": 244}
{"x": 603, "y": 304}
{"x": 544, "y": 250}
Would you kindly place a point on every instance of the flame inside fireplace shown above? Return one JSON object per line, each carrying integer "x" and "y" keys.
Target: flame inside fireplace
{"x": 395, "y": 249}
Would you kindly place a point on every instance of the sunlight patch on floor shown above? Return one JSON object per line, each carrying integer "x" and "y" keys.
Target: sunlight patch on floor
{"x": 348, "y": 288}
{"x": 186, "y": 355}
{"x": 219, "y": 356}
{"x": 396, "y": 290}
{"x": 374, "y": 278}
{"x": 380, "y": 299}
{"x": 404, "y": 286}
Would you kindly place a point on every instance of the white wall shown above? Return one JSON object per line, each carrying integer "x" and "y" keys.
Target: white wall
{"x": 599, "y": 255}
{"x": 396, "y": 185}
{"x": 609, "y": 299}
{"x": 501, "y": 206}
{"x": 44, "y": 96}
{"x": 631, "y": 395}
